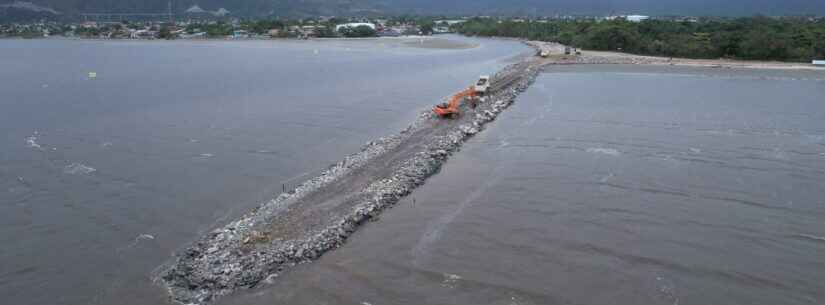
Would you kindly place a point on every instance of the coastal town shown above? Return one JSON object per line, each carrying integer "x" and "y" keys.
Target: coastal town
{"x": 196, "y": 24}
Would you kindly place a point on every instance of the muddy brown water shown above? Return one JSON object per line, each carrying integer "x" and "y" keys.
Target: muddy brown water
{"x": 606, "y": 185}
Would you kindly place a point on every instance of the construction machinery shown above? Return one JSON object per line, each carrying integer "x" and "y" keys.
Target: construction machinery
{"x": 482, "y": 85}
{"x": 451, "y": 108}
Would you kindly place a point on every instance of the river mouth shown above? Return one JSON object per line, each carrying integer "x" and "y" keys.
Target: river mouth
{"x": 667, "y": 185}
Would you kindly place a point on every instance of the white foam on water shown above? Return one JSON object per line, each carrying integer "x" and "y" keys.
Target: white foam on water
{"x": 450, "y": 280}
{"x": 206, "y": 156}
{"x": 695, "y": 150}
{"x": 78, "y": 169}
{"x": 32, "y": 142}
{"x": 812, "y": 237}
{"x": 816, "y": 137}
{"x": 135, "y": 242}
{"x": 604, "y": 151}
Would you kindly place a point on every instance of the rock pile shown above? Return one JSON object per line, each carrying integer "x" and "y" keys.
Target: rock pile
{"x": 243, "y": 253}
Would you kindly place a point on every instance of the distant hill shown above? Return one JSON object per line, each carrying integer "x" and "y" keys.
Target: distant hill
{"x": 259, "y": 8}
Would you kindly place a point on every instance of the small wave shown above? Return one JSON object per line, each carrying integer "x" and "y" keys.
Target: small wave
{"x": 811, "y": 237}
{"x": 606, "y": 151}
{"x": 206, "y": 156}
{"x": 32, "y": 142}
{"x": 450, "y": 280}
{"x": 78, "y": 169}
{"x": 815, "y": 137}
{"x": 136, "y": 241}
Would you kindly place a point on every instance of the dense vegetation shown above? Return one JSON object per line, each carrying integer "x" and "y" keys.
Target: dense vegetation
{"x": 756, "y": 38}
{"x": 357, "y": 32}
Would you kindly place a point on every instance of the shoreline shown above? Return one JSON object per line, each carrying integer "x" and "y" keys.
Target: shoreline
{"x": 423, "y": 42}
{"x": 586, "y": 57}
{"x": 618, "y": 58}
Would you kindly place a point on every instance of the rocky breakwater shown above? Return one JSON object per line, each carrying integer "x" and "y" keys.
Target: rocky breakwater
{"x": 320, "y": 214}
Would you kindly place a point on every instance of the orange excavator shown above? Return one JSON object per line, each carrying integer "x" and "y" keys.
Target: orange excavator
{"x": 450, "y": 109}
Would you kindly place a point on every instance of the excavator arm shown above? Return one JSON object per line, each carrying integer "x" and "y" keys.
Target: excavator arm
{"x": 451, "y": 108}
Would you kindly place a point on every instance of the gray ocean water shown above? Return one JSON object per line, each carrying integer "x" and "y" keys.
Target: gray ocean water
{"x": 607, "y": 185}
{"x": 102, "y": 179}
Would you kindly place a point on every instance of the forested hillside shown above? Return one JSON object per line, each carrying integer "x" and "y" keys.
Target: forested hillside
{"x": 762, "y": 38}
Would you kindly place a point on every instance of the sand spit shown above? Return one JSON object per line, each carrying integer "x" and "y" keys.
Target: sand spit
{"x": 320, "y": 214}
{"x": 617, "y": 58}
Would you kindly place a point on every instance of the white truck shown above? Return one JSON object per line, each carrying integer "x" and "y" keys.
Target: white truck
{"x": 482, "y": 85}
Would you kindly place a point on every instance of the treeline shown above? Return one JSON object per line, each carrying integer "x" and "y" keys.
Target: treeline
{"x": 755, "y": 38}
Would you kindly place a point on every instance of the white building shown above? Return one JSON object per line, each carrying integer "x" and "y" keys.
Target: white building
{"x": 637, "y": 18}
{"x": 353, "y": 25}
{"x": 631, "y": 18}
{"x": 450, "y": 22}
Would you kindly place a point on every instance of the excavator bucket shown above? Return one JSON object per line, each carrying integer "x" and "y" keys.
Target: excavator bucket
{"x": 451, "y": 109}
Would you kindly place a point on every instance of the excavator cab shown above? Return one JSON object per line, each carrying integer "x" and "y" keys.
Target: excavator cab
{"x": 451, "y": 108}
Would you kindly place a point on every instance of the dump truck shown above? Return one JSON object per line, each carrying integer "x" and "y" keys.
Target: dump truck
{"x": 482, "y": 85}
{"x": 450, "y": 109}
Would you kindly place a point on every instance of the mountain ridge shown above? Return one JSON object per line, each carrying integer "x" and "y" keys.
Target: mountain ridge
{"x": 262, "y": 8}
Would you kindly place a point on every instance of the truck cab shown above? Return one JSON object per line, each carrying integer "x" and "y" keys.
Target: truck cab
{"x": 482, "y": 85}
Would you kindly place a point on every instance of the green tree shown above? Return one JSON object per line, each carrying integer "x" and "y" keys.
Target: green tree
{"x": 359, "y": 31}
{"x": 165, "y": 33}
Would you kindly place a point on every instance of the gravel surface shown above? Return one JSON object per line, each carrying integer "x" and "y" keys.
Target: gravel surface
{"x": 320, "y": 214}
